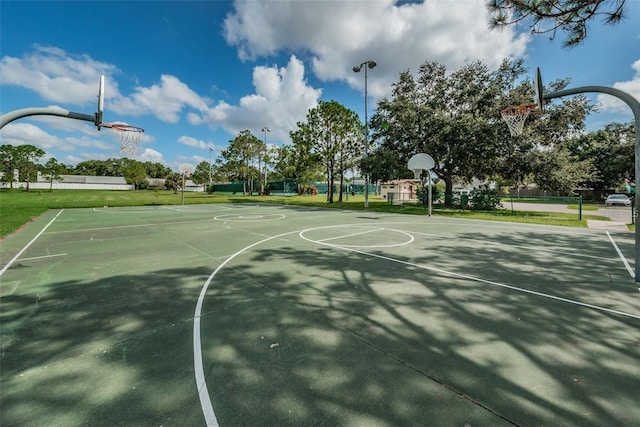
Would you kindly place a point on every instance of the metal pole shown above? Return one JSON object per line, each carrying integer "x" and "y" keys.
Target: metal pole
{"x": 430, "y": 192}
{"x": 46, "y": 111}
{"x": 357, "y": 68}
{"x": 183, "y": 174}
{"x": 635, "y": 108}
{"x": 210, "y": 150}
{"x": 580, "y": 208}
{"x": 265, "y": 130}
{"x": 366, "y": 139}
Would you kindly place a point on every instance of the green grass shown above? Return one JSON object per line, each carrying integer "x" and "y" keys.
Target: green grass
{"x": 584, "y": 207}
{"x": 19, "y": 207}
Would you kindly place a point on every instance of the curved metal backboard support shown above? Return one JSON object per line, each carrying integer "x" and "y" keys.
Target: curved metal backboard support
{"x": 45, "y": 111}
{"x": 635, "y": 108}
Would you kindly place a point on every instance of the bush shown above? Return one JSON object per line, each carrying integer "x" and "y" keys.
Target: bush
{"x": 484, "y": 199}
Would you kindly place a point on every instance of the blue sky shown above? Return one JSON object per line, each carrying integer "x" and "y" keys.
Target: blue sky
{"x": 195, "y": 73}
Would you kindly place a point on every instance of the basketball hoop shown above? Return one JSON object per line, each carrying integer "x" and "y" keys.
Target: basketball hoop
{"x": 129, "y": 136}
{"x": 417, "y": 173}
{"x": 515, "y": 117}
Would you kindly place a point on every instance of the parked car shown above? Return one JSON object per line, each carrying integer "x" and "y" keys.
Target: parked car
{"x": 617, "y": 199}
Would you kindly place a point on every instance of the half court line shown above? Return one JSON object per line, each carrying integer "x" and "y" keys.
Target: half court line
{"x": 351, "y": 235}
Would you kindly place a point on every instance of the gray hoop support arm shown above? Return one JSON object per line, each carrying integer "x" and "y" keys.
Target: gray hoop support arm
{"x": 46, "y": 111}
{"x": 635, "y": 108}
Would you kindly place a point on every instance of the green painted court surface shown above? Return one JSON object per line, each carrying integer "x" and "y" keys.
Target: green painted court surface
{"x": 244, "y": 315}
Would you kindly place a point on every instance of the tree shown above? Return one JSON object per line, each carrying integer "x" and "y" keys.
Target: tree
{"x": 611, "y": 153}
{"x": 296, "y": 161}
{"x": 547, "y": 16}
{"x": 559, "y": 171}
{"x": 22, "y": 158}
{"x": 156, "y": 170}
{"x": 53, "y": 169}
{"x": 135, "y": 174}
{"x": 9, "y": 160}
{"x": 383, "y": 164}
{"x": 109, "y": 167}
{"x": 242, "y": 150}
{"x": 201, "y": 174}
{"x": 172, "y": 181}
{"x": 334, "y": 133}
{"x": 453, "y": 117}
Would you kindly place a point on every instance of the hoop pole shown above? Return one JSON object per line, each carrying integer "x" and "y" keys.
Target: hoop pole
{"x": 45, "y": 111}
{"x": 430, "y": 192}
{"x": 635, "y": 109}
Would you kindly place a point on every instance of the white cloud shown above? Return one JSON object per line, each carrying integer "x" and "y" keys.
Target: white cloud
{"x": 27, "y": 133}
{"x": 150, "y": 155}
{"x": 165, "y": 100}
{"x": 612, "y": 104}
{"x": 339, "y": 35}
{"x": 193, "y": 142}
{"x": 56, "y": 75}
{"x": 282, "y": 98}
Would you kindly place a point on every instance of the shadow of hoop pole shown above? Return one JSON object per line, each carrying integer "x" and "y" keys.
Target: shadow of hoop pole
{"x": 635, "y": 108}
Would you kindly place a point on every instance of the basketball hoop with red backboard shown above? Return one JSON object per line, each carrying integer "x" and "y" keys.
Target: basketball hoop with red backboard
{"x": 515, "y": 116}
{"x": 128, "y": 135}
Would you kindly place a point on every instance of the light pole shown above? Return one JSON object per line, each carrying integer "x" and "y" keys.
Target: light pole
{"x": 357, "y": 68}
{"x": 265, "y": 130}
{"x": 210, "y": 151}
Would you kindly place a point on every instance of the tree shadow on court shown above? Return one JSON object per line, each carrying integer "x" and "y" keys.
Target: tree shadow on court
{"x": 525, "y": 357}
{"x": 114, "y": 351}
{"x": 318, "y": 336}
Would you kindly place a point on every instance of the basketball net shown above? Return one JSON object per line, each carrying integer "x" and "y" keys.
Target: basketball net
{"x": 129, "y": 136}
{"x": 515, "y": 117}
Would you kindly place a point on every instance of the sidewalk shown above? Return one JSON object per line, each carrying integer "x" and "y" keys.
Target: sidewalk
{"x": 620, "y": 217}
{"x": 607, "y": 225}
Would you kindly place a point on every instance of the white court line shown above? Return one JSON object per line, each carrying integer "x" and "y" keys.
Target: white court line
{"x": 536, "y": 248}
{"x": 43, "y": 256}
{"x": 477, "y": 279}
{"x": 624, "y": 260}
{"x": 6, "y": 267}
{"x": 201, "y": 381}
{"x": 351, "y": 235}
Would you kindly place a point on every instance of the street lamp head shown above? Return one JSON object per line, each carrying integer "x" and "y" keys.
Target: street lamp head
{"x": 371, "y": 64}
{"x": 266, "y": 129}
{"x": 357, "y": 68}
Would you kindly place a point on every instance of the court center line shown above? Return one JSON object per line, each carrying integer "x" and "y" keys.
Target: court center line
{"x": 351, "y": 235}
{"x": 19, "y": 254}
{"x": 489, "y": 282}
{"x": 624, "y": 260}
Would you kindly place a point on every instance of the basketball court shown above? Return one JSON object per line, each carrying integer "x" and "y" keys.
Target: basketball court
{"x": 273, "y": 315}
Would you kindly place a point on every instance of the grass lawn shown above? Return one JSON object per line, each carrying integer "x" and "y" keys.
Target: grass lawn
{"x": 19, "y": 207}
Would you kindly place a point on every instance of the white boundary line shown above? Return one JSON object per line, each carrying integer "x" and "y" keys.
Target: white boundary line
{"x": 201, "y": 382}
{"x": 624, "y": 260}
{"x": 6, "y": 267}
